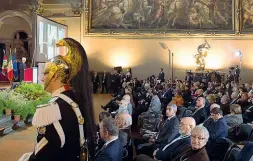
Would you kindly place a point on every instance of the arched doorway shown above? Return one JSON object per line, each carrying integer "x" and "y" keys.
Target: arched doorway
{"x": 14, "y": 22}
{"x": 15, "y": 13}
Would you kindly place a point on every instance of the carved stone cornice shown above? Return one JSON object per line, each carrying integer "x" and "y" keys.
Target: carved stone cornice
{"x": 6, "y": 40}
{"x": 62, "y": 10}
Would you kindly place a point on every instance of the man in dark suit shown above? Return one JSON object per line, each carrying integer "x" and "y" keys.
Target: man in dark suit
{"x": 246, "y": 153}
{"x": 220, "y": 128}
{"x": 95, "y": 81}
{"x": 225, "y": 107}
{"x": 186, "y": 94}
{"x": 176, "y": 146}
{"x": 217, "y": 130}
{"x": 200, "y": 113}
{"x": 237, "y": 74}
{"x": 161, "y": 75}
{"x": 21, "y": 69}
{"x": 112, "y": 150}
{"x": 166, "y": 134}
{"x": 167, "y": 95}
{"x": 113, "y": 82}
{"x": 104, "y": 83}
{"x": 171, "y": 125}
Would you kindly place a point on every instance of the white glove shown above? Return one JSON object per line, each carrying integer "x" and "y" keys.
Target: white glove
{"x": 25, "y": 157}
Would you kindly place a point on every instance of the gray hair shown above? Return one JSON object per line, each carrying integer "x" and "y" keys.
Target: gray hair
{"x": 203, "y": 100}
{"x": 226, "y": 99}
{"x": 201, "y": 129}
{"x": 110, "y": 125}
{"x": 173, "y": 106}
{"x": 214, "y": 105}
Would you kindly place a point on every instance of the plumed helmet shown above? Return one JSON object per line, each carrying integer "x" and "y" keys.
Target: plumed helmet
{"x": 66, "y": 66}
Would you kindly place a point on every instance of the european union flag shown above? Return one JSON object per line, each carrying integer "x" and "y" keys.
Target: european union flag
{"x": 15, "y": 66}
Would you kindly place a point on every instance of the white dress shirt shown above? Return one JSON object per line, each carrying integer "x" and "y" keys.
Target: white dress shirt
{"x": 173, "y": 141}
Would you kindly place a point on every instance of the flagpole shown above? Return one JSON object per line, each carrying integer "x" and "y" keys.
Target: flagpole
{"x": 10, "y": 67}
{"x": 3, "y": 65}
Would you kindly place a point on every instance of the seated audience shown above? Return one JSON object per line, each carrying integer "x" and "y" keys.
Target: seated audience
{"x": 225, "y": 105}
{"x": 234, "y": 97}
{"x": 123, "y": 107}
{"x": 220, "y": 127}
{"x": 243, "y": 101}
{"x": 170, "y": 128}
{"x": 165, "y": 135}
{"x": 123, "y": 121}
{"x": 200, "y": 113}
{"x": 154, "y": 106}
{"x": 235, "y": 117}
{"x": 246, "y": 153}
{"x": 208, "y": 123}
{"x": 112, "y": 149}
{"x": 211, "y": 99}
{"x": 197, "y": 151}
{"x": 176, "y": 146}
{"x": 102, "y": 116}
{"x": 186, "y": 94}
{"x": 248, "y": 115}
{"x": 127, "y": 98}
{"x": 179, "y": 102}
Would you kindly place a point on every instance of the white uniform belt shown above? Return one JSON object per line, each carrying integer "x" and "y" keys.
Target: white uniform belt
{"x": 78, "y": 115}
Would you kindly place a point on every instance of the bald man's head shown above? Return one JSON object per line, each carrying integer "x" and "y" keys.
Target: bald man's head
{"x": 186, "y": 125}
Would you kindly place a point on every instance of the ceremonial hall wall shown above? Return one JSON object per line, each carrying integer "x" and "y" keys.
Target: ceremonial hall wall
{"x": 146, "y": 57}
{"x": 143, "y": 53}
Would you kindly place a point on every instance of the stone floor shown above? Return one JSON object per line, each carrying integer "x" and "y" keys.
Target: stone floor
{"x": 13, "y": 145}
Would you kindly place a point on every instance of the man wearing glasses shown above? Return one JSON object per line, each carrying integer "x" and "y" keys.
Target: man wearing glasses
{"x": 197, "y": 151}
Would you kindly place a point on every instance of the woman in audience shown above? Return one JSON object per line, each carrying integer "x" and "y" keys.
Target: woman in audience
{"x": 235, "y": 116}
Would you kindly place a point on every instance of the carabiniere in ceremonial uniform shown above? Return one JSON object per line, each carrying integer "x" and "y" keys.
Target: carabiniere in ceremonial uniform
{"x": 60, "y": 123}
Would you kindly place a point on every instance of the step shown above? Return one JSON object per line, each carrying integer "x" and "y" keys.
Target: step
{"x": 19, "y": 124}
{"x": 6, "y": 127}
{"x": 4, "y": 119}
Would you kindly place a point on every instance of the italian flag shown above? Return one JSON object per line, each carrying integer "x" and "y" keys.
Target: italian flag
{"x": 10, "y": 69}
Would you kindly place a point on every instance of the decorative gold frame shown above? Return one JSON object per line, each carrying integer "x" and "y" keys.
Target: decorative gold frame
{"x": 235, "y": 33}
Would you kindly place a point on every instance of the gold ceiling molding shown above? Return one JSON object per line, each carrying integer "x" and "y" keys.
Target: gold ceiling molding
{"x": 119, "y": 18}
